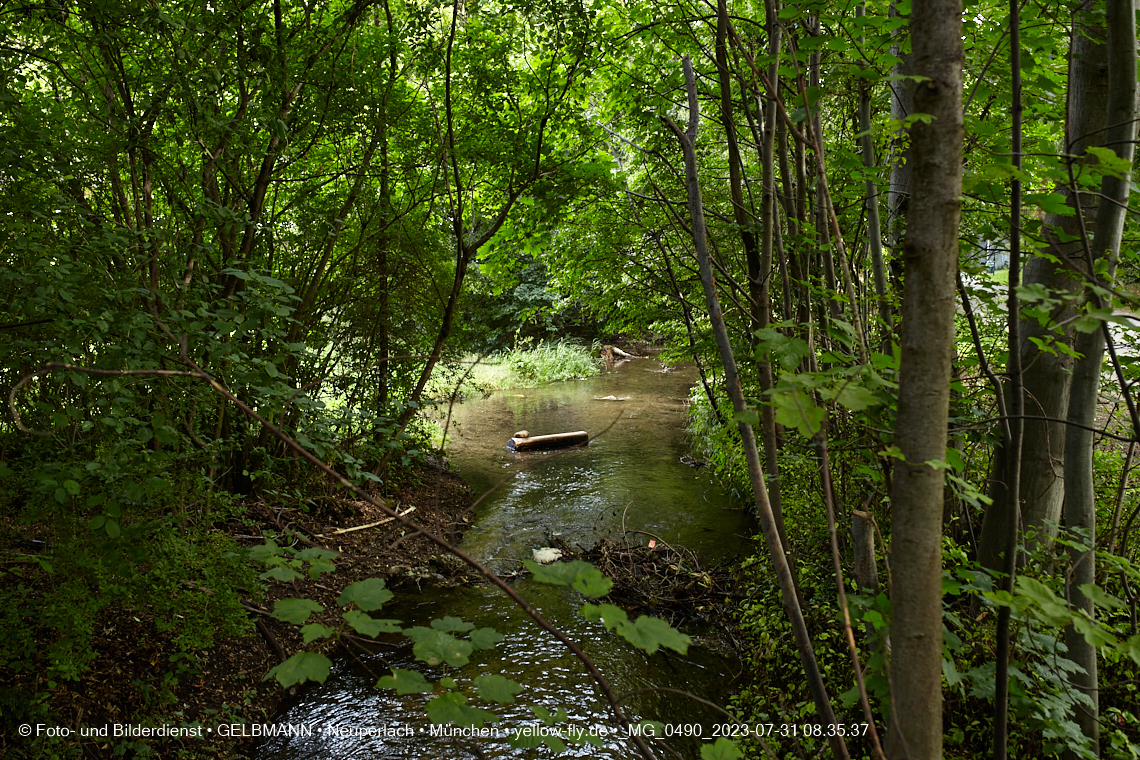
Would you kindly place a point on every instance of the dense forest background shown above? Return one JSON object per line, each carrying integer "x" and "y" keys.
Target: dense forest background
{"x": 901, "y": 255}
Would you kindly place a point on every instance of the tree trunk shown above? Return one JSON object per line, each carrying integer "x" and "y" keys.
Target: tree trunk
{"x": 902, "y": 105}
{"x": 871, "y": 203}
{"x": 1080, "y": 499}
{"x": 759, "y": 257}
{"x": 930, "y": 258}
{"x": 788, "y": 592}
{"x": 1047, "y": 375}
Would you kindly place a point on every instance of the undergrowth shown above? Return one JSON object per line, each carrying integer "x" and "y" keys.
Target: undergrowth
{"x": 1042, "y": 699}
{"x": 524, "y": 366}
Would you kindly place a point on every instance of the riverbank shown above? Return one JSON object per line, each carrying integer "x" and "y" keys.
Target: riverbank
{"x": 139, "y": 676}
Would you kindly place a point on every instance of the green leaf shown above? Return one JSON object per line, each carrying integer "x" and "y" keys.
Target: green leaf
{"x": 557, "y": 746}
{"x": 96, "y": 522}
{"x": 1095, "y": 635}
{"x": 112, "y": 529}
{"x": 496, "y": 688}
{"x": 1132, "y": 646}
{"x": 581, "y": 576}
{"x": 722, "y": 749}
{"x": 1100, "y": 596}
{"x": 368, "y": 594}
{"x": 451, "y": 624}
{"x": 263, "y": 552}
{"x": 452, "y": 708}
{"x": 787, "y": 352}
{"x": 319, "y": 567}
{"x": 435, "y": 647}
{"x": 612, "y": 616}
{"x": 366, "y": 625}
{"x": 283, "y": 574}
{"x": 796, "y": 409}
{"x": 314, "y": 631}
{"x": 1049, "y": 607}
{"x": 1109, "y": 162}
{"x": 301, "y": 667}
{"x": 405, "y": 682}
{"x": 485, "y": 638}
{"x": 950, "y": 670}
{"x": 548, "y": 718}
{"x": 317, "y": 553}
{"x": 167, "y": 436}
{"x": 295, "y": 611}
{"x": 71, "y": 487}
{"x": 857, "y": 398}
{"x": 748, "y": 417}
{"x": 650, "y": 633}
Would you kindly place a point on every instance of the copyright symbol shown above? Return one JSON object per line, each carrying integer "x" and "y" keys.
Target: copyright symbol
{"x": 25, "y": 730}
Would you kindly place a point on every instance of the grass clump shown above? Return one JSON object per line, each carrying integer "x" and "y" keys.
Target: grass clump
{"x": 521, "y": 367}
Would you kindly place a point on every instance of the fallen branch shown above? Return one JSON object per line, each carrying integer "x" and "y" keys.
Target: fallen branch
{"x": 342, "y": 531}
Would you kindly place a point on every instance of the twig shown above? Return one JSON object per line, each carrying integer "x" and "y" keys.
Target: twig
{"x": 342, "y": 531}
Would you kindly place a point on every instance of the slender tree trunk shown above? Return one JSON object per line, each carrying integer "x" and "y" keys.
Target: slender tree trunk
{"x": 930, "y": 257}
{"x": 902, "y": 105}
{"x": 759, "y": 257}
{"x": 788, "y": 590}
{"x": 769, "y": 221}
{"x": 1080, "y": 500}
{"x": 871, "y": 203}
{"x": 1014, "y": 428}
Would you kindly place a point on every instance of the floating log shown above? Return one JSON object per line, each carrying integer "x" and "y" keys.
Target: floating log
{"x": 553, "y": 441}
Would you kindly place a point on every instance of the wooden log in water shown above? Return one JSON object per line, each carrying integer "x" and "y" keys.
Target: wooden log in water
{"x": 543, "y": 442}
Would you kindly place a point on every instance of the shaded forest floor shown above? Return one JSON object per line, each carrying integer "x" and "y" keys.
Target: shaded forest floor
{"x": 139, "y": 675}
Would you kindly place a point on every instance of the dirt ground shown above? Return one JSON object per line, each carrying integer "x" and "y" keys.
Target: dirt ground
{"x": 224, "y": 684}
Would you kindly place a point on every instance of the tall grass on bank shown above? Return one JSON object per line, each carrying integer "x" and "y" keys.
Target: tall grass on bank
{"x": 521, "y": 367}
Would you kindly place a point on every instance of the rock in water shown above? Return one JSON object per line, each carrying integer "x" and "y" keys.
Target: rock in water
{"x": 522, "y": 434}
{"x": 546, "y": 555}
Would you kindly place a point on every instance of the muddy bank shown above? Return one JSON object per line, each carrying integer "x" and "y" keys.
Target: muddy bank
{"x": 129, "y": 680}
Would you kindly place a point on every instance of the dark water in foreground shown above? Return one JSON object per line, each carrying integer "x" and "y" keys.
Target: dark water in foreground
{"x": 633, "y": 473}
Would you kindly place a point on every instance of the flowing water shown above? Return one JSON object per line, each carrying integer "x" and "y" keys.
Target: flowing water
{"x": 632, "y": 475}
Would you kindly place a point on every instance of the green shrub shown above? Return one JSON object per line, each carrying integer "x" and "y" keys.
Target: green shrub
{"x": 521, "y": 367}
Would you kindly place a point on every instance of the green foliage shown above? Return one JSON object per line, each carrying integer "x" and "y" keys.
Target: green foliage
{"x": 436, "y": 647}
{"x": 580, "y": 576}
{"x": 369, "y": 594}
{"x": 496, "y": 688}
{"x": 286, "y": 563}
{"x": 452, "y": 708}
{"x": 646, "y": 633}
{"x": 295, "y": 611}
{"x": 405, "y": 682}
{"x": 301, "y": 667}
{"x": 524, "y": 366}
{"x": 721, "y": 749}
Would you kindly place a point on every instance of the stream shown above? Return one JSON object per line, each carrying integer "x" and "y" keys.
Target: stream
{"x": 632, "y": 473}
